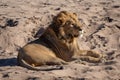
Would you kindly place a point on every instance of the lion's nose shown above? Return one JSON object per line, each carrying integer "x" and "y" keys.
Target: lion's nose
{"x": 80, "y": 29}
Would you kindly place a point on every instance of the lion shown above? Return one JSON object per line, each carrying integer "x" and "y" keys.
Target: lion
{"x": 57, "y": 45}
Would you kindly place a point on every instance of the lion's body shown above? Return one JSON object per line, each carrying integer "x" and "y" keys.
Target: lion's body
{"x": 57, "y": 45}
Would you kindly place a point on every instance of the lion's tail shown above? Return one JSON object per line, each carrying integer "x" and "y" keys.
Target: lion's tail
{"x": 41, "y": 68}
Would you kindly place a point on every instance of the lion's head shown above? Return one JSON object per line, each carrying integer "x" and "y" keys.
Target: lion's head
{"x": 66, "y": 26}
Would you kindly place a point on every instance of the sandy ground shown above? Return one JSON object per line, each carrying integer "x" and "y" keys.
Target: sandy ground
{"x": 21, "y": 19}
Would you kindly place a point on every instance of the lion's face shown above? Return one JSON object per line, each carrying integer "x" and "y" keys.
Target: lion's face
{"x": 67, "y": 26}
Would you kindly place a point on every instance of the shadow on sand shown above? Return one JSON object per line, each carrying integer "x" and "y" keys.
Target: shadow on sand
{"x": 8, "y": 62}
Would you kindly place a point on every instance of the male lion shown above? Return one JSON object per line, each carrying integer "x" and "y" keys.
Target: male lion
{"x": 57, "y": 45}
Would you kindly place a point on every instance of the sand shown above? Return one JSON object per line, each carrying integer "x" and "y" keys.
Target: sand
{"x": 21, "y": 19}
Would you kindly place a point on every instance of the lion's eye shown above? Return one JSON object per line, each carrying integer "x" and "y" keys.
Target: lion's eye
{"x": 68, "y": 22}
{"x": 72, "y": 25}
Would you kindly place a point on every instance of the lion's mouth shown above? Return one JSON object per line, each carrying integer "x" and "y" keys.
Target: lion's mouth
{"x": 70, "y": 35}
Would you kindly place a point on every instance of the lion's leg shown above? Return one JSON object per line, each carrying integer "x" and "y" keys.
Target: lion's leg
{"x": 93, "y": 54}
{"x": 90, "y": 59}
{"x": 90, "y": 56}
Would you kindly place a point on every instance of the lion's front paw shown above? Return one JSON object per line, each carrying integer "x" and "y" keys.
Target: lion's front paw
{"x": 91, "y": 56}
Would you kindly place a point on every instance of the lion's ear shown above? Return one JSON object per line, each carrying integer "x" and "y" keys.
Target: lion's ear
{"x": 75, "y": 14}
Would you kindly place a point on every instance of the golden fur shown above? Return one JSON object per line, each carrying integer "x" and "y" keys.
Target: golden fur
{"x": 57, "y": 45}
